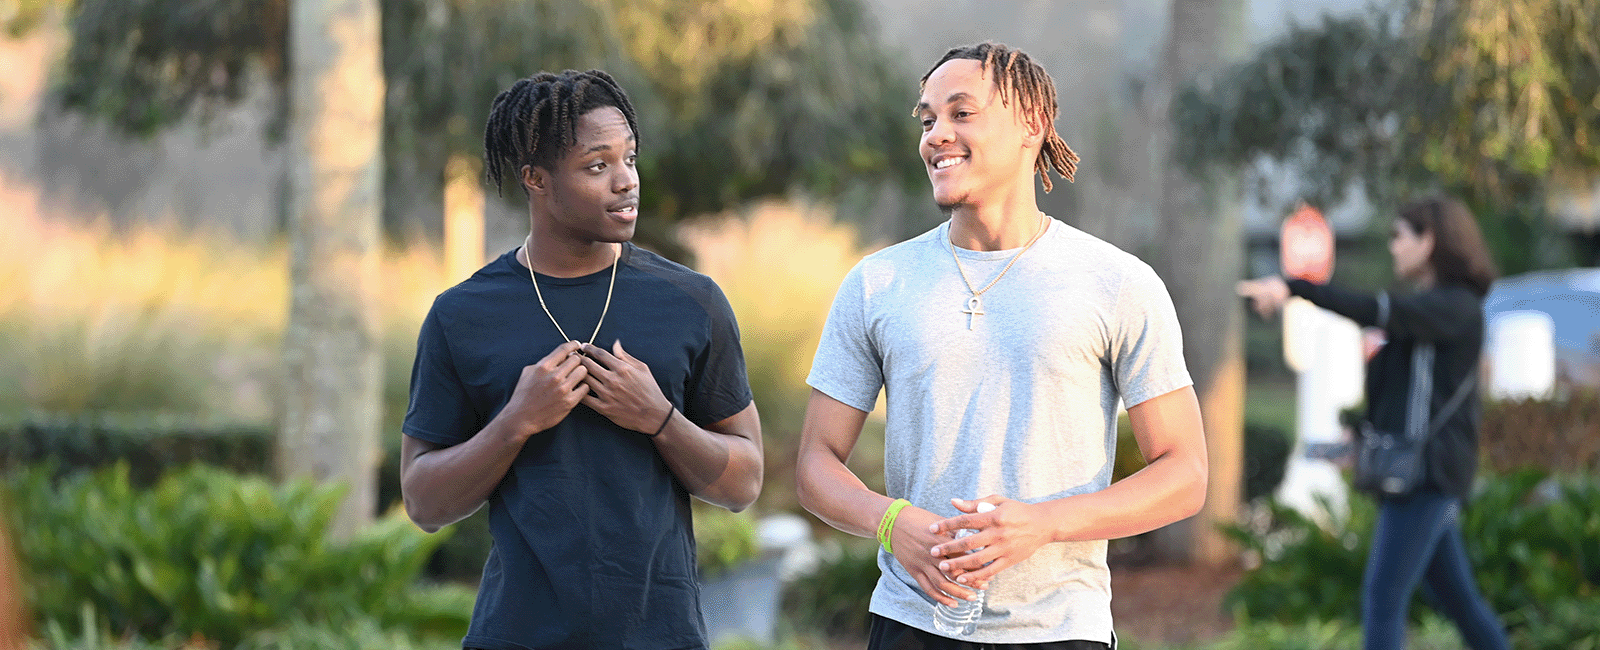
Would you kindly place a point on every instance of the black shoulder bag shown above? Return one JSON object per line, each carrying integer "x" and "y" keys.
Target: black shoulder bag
{"x": 1391, "y": 464}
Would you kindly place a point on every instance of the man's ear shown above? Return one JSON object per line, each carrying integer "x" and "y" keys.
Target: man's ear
{"x": 1035, "y": 130}
{"x": 535, "y": 180}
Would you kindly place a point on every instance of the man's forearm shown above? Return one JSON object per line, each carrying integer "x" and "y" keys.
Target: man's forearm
{"x": 721, "y": 464}
{"x": 1169, "y": 489}
{"x": 447, "y": 484}
{"x": 829, "y": 490}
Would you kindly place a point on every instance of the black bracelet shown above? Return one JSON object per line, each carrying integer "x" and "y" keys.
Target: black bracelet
{"x": 664, "y": 422}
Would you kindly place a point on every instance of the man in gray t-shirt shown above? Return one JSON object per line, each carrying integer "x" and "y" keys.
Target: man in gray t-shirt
{"x": 1004, "y": 341}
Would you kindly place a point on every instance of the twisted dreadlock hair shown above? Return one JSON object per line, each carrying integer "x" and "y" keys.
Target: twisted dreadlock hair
{"x": 1015, "y": 74}
{"x": 536, "y": 120}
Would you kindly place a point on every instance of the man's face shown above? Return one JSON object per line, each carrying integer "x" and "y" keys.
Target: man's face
{"x": 973, "y": 145}
{"x": 593, "y": 188}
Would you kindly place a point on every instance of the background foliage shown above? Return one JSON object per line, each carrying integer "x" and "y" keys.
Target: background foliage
{"x": 1493, "y": 101}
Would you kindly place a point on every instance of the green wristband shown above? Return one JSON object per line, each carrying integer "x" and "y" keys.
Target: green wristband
{"x": 886, "y": 525}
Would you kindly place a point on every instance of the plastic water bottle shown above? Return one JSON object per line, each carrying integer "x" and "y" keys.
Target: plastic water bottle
{"x": 962, "y": 619}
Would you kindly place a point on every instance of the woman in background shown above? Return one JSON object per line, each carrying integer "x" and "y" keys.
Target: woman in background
{"x": 1439, "y": 251}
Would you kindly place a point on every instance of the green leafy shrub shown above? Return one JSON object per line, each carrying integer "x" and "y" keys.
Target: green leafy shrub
{"x": 1433, "y": 633}
{"x": 209, "y": 553}
{"x": 1534, "y": 542}
{"x": 723, "y": 539}
{"x": 1306, "y": 571}
{"x": 1266, "y": 454}
{"x": 148, "y": 443}
{"x": 834, "y": 598}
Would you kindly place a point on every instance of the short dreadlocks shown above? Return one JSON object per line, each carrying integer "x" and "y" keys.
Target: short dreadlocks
{"x": 1016, "y": 74}
{"x": 535, "y": 120}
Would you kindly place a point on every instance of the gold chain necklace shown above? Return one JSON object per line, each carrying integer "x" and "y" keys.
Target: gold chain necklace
{"x": 614, "y": 264}
{"x": 975, "y": 303}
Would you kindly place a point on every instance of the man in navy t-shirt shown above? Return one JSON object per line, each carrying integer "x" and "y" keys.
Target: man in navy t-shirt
{"x": 584, "y": 388}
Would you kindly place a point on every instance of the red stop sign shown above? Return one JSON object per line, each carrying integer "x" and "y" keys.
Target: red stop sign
{"x": 1306, "y": 245}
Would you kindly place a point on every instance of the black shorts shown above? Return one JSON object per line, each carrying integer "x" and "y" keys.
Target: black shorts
{"x": 889, "y": 634}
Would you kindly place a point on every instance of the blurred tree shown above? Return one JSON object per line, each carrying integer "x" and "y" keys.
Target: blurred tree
{"x": 1489, "y": 99}
{"x": 332, "y": 397}
{"x": 18, "y": 17}
{"x": 738, "y": 99}
{"x": 1200, "y": 253}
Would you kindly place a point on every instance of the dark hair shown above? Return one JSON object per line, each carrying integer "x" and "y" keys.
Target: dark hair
{"x": 1016, "y": 74}
{"x": 1459, "y": 254}
{"x": 535, "y": 120}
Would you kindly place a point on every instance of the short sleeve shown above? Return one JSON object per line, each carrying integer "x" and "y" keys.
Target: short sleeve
{"x": 440, "y": 411}
{"x": 719, "y": 386}
{"x": 1147, "y": 343}
{"x": 847, "y": 366}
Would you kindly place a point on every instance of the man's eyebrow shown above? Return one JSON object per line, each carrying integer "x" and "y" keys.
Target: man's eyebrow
{"x": 922, "y": 106}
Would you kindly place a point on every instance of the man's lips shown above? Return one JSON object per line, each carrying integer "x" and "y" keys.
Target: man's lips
{"x": 947, "y": 160}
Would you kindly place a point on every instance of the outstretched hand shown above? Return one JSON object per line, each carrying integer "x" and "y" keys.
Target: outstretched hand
{"x": 1266, "y": 294}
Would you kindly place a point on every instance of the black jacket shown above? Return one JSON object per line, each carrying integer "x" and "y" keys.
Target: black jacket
{"x": 1451, "y": 316}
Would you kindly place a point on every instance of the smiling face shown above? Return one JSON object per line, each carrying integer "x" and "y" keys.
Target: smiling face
{"x": 975, "y": 147}
{"x": 591, "y": 192}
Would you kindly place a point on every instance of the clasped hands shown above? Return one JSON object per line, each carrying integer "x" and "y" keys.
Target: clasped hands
{"x": 927, "y": 547}
{"x": 615, "y": 384}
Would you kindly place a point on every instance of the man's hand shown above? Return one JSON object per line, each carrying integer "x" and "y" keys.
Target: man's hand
{"x": 1266, "y": 294}
{"x": 911, "y": 540}
{"x": 1009, "y": 534}
{"x": 621, "y": 388}
{"x": 547, "y": 390}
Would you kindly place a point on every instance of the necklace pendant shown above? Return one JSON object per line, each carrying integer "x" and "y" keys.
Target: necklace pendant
{"x": 974, "y": 308}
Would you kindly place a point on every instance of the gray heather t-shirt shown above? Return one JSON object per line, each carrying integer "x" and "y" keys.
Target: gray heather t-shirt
{"x": 1023, "y": 404}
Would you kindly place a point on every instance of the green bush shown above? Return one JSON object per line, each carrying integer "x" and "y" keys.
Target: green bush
{"x": 1266, "y": 455}
{"x": 1307, "y": 572}
{"x": 1432, "y": 634}
{"x": 148, "y": 443}
{"x": 362, "y": 633}
{"x": 723, "y": 539}
{"x": 834, "y": 598}
{"x": 1534, "y": 542}
{"x": 209, "y": 553}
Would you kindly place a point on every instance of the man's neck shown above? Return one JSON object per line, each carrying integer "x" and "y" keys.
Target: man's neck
{"x": 1001, "y": 225}
{"x": 566, "y": 258}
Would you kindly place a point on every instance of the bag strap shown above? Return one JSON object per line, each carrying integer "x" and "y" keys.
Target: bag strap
{"x": 1420, "y": 423}
{"x": 1455, "y": 402}
{"x": 1418, "y": 402}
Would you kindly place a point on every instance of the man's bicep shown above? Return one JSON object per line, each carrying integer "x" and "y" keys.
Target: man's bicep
{"x": 831, "y": 425}
{"x": 440, "y": 407}
{"x": 744, "y": 424}
{"x": 411, "y": 448}
{"x": 1168, "y": 423}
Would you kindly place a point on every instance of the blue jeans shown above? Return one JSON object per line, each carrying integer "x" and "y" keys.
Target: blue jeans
{"x": 1418, "y": 541}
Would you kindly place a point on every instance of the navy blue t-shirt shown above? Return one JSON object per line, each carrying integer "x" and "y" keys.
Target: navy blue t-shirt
{"x": 593, "y": 543}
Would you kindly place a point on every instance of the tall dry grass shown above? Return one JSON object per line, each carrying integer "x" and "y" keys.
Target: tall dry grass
{"x": 780, "y": 265}
{"x": 153, "y": 319}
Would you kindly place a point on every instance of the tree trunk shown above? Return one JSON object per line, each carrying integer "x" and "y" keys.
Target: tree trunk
{"x": 1201, "y": 256}
{"x": 331, "y": 347}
